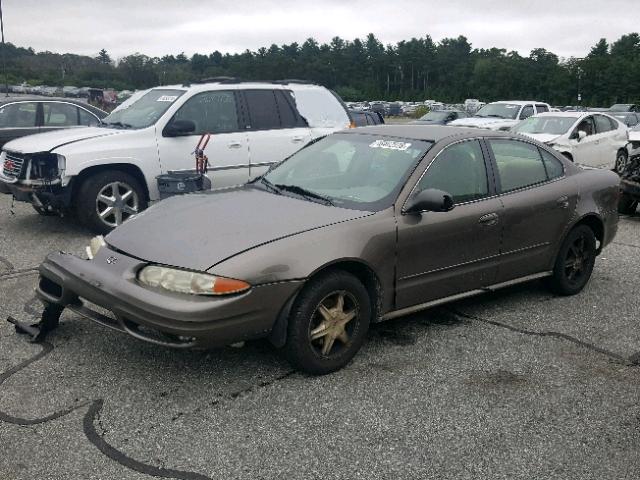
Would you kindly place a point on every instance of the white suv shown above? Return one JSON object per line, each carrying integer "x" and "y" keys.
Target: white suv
{"x": 108, "y": 173}
{"x": 502, "y": 115}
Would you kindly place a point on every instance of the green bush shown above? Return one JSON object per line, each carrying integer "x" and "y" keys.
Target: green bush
{"x": 420, "y": 111}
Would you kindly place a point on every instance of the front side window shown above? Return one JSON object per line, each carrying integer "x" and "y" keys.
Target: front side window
{"x": 364, "y": 172}
{"x": 59, "y": 114}
{"x": 519, "y": 164}
{"x": 143, "y": 112}
{"x": 458, "y": 170}
{"x": 586, "y": 125}
{"x": 542, "y": 108}
{"x": 18, "y": 115}
{"x": 211, "y": 112}
{"x": 527, "y": 111}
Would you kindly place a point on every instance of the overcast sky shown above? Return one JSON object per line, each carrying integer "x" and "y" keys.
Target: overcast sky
{"x": 565, "y": 27}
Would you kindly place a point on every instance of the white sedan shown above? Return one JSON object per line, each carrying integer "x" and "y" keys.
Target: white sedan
{"x": 590, "y": 139}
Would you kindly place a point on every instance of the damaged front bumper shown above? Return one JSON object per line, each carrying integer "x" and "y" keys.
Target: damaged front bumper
{"x": 154, "y": 315}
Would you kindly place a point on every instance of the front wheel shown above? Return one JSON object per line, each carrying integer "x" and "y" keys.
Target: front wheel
{"x": 107, "y": 199}
{"x": 328, "y": 323}
{"x": 574, "y": 262}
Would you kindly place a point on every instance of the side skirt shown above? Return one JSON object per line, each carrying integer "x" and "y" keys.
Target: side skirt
{"x": 459, "y": 296}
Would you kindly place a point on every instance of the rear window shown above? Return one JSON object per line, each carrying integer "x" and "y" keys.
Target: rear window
{"x": 263, "y": 110}
{"x": 320, "y": 108}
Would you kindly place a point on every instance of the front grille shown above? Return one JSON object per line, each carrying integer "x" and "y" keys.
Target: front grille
{"x": 13, "y": 164}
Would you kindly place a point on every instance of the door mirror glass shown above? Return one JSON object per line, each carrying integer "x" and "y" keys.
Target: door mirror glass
{"x": 430, "y": 200}
{"x": 179, "y": 127}
{"x": 581, "y": 134}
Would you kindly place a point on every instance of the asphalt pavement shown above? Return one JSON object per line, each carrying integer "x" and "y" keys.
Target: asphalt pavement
{"x": 518, "y": 384}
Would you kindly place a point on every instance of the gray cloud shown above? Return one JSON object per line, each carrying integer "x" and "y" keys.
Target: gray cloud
{"x": 566, "y": 27}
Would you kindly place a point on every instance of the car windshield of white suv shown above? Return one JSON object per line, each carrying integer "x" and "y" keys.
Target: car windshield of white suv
{"x": 435, "y": 116}
{"x": 551, "y": 125}
{"x": 145, "y": 111}
{"x": 364, "y": 172}
{"x": 499, "y": 110}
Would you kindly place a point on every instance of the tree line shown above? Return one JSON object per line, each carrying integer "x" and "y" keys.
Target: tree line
{"x": 364, "y": 69}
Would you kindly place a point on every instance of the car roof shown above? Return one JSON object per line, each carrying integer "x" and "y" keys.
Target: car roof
{"x": 240, "y": 85}
{"x": 520, "y": 102}
{"x": 569, "y": 114}
{"x": 432, "y": 133}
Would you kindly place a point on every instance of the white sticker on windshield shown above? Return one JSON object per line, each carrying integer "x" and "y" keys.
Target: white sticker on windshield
{"x": 167, "y": 98}
{"x": 402, "y": 146}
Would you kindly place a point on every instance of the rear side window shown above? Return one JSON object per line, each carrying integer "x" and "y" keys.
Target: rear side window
{"x": 289, "y": 117}
{"x": 87, "y": 118}
{"x": 18, "y": 115}
{"x": 542, "y": 108}
{"x": 359, "y": 118}
{"x": 460, "y": 171}
{"x": 59, "y": 114}
{"x": 212, "y": 112}
{"x": 263, "y": 110}
{"x": 527, "y": 111}
{"x": 519, "y": 164}
{"x": 320, "y": 108}
{"x": 602, "y": 124}
{"x": 552, "y": 165}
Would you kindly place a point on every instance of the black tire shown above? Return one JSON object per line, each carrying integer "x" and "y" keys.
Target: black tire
{"x": 44, "y": 211}
{"x": 87, "y": 204}
{"x": 621, "y": 161}
{"x": 306, "y": 354}
{"x": 574, "y": 262}
{"x": 627, "y": 204}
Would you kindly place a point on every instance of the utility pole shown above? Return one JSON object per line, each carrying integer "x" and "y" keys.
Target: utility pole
{"x": 4, "y": 66}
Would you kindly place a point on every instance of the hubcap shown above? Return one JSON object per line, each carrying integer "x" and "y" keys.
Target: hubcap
{"x": 332, "y": 321}
{"x": 116, "y": 202}
{"x": 576, "y": 261}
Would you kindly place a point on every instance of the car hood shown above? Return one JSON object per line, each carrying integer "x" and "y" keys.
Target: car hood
{"x": 44, "y": 142}
{"x": 541, "y": 137}
{"x": 483, "y": 122}
{"x": 197, "y": 231}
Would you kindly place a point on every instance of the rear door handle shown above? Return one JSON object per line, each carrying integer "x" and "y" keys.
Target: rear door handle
{"x": 563, "y": 202}
{"x": 234, "y": 145}
{"x": 488, "y": 219}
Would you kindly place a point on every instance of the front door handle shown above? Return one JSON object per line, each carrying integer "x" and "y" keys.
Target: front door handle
{"x": 489, "y": 219}
{"x": 563, "y": 202}
{"x": 297, "y": 139}
{"x": 234, "y": 145}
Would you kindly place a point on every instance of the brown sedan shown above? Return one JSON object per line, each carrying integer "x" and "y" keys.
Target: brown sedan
{"x": 362, "y": 226}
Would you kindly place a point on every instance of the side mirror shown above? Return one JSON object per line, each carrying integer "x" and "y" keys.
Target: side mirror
{"x": 177, "y": 128}
{"x": 581, "y": 134}
{"x": 430, "y": 200}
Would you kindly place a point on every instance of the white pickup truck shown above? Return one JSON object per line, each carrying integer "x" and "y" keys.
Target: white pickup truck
{"x": 502, "y": 115}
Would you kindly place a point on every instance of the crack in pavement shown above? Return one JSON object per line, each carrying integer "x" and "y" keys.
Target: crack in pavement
{"x": 5, "y": 261}
{"x": 18, "y": 273}
{"x": 631, "y": 361}
{"x": 626, "y": 244}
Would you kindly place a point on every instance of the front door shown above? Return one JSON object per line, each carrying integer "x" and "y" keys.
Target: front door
{"x": 213, "y": 112}
{"x": 444, "y": 253}
{"x": 587, "y": 150}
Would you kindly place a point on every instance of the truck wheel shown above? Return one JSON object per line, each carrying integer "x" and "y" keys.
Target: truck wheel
{"x": 621, "y": 161}
{"x": 328, "y": 323}
{"x": 627, "y": 204}
{"x": 107, "y": 199}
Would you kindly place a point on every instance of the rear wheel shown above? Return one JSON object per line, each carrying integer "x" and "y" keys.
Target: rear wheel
{"x": 107, "y": 199}
{"x": 621, "y": 161}
{"x": 627, "y": 204}
{"x": 328, "y": 323}
{"x": 574, "y": 262}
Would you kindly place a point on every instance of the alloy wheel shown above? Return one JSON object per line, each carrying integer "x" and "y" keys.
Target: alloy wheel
{"x": 621, "y": 162}
{"x": 576, "y": 261}
{"x": 116, "y": 202}
{"x": 333, "y": 320}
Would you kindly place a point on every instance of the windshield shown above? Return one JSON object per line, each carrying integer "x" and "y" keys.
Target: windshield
{"x": 620, "y": 107}
{"x": 143, "y": 112}
{"x": 551, "y": 125}
{"x": 364, "y": 172}
{"x": 499, "y": 110}
{"x": 435, "y": 116}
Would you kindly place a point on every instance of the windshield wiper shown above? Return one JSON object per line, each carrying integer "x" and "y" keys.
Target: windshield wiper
{"x": 267, "y": 184}
{"x": 118, "y": 124}
{"x": 493, "y": 115}
{"x": 304, "y": 192}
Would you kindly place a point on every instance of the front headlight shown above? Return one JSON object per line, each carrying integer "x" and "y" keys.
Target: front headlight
{"x": 194, "y": 283}
{"x": 95, "y": 244}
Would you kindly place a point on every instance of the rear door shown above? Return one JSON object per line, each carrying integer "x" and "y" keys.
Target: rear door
{"x": 215, "y": 112}
{"x": 538, "y": 204}
{"x": 273, "y": 128}
{"x": 17, "y": 120}
{"x": 445, "y": 253}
